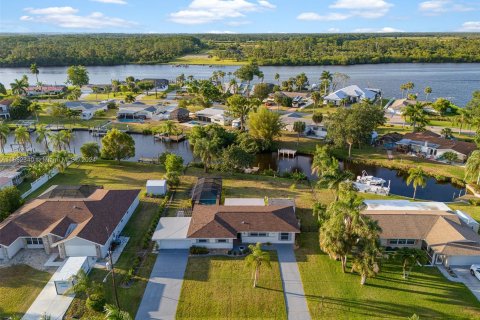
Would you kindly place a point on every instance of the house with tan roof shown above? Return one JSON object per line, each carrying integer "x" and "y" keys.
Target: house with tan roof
{"x": 71, "y": 220}
{"x": 433, "y": 146}
{"x": 449, "y": 237}
{"x": 223, "y": 226}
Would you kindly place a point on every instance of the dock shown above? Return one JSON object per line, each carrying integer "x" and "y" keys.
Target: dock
{"x": 287, "y": 153}
{"x": 55, "y": 127}
{"x": 148, "y": 160}
{"x": 171, "y": 138}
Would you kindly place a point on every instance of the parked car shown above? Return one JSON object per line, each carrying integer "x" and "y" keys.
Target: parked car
{"x": 475, "y": 270}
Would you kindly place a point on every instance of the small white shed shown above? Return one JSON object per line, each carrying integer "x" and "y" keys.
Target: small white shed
{"x": 64, "y": 277}
{"x": 157, "y": 187}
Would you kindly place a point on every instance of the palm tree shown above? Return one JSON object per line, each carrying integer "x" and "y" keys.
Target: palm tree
{"x": 333, "y": 177}
{"x": 447, "y": 133}
{"x": 277, "y": 78}
{"x": 322, "y": 160}
{"x": 403, "y": 87}
{"x": 130, "y": 98}
{"x": 60, "y": 160}
{"x": 417, "y": 178}
{"x": 416, "y": 116}
{"x": 409, "y": 257}
{"x": 114, "y": 313}
{"x": 34, "y": 70}
{"x": 317, "y": 117}
{"x": 461, "y": 119}
{"x": 233, "y": 85}
{"x": 57, "y": 141}
{"x": 19, "y": 86}
{"x": 4, "y": 132}
{"x": 326, "y": 77}
{"x": 74, "y": 93}
{"x": 42, "y": 135}
{"x": 366, "y": 264}
{"x": 169, "y": 127}
{"x": 207, "y": 150}
{"x": 35, "y": 107}
{"x": 66, "y": 136}
{"x": 427, "y": 91}
{"x": 22, "y": 136}
{"x": 472, "y": 167}
{"x": 256, "y": 259}
{"x": 316, "y": 97}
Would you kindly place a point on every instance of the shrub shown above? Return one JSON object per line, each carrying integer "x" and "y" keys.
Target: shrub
{"x": 198, "y": 250}
{"x": 96, "y": 301}
{"x": 90, "y": 150}
{"x": 268, "y": 172}
{"x": 458, "y": 182}
{"x": 147, "y": 132}
{"x": 10, "y": 200}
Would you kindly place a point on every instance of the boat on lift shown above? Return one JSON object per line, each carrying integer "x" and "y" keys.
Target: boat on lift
{"x": 370, "y": 184}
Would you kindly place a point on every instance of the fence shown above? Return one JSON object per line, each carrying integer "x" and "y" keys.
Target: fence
{"x": 35, "y": 185}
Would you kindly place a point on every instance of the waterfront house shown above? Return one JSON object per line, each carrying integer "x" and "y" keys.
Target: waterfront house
{"x": 449, "y": 237}
{"x": 137, "y": 111}
{"x": 158, "y": 83}
{"x": 5, "y": 108}
{"x": 87, "y": 109}
{"x": 311, "y": 128}
{"x": 432, "y": 146}
{"x": 69, "y": 220}
{"x": 351, "y": 94}
{"x": 214, "y": 115}
{"x": 51, "y": 90}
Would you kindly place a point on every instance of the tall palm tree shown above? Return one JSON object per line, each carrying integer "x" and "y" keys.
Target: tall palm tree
{"x": 34, "y": 70}
{"x": 417, "y": 178}
{"x": 316, "y": 97}
{"x": 74, "y": 93}
{"x": 22, "y": 137}
{"x": 56, "y": 139}
{"x": 130, "y": 98}
{"x": 19, "y": 86}
{"x": 427, "y": 91}
{"x": 472, "y": 167}
{"x": 60, "y": 159}
{"x": 114, "y": 313}
{"x": 206, "y": 150}
{"x": 233, "y": 85}
{"x": 277, "y": 78}
{"x": 322, "y": 160}
{"x": 35, "y": 107}
{"x": 333, "y": 177}
{"x": 416, "y": 115}
{"x": 256, "y": 259}
{"x": 326, "y": 77}
{"x": 367, "y": 265}
{"x": 66, "y": 136}
{"x": 169, "y": 128}
{"x": 42, "y": 137}
{"x": 4, "y": 132}
{"x": 409, "y": 257}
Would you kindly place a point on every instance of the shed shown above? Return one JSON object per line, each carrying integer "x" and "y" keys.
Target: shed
{"x": 64, "y": 277}
{"x": 157, "y": 187}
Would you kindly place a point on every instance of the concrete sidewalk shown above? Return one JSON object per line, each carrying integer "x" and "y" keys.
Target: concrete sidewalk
{"x": 160, "y": 299}
{"x": 295, "y": 301}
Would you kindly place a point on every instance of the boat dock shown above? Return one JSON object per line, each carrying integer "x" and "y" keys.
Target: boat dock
{"x": 55, "y": 127}
{"x": 172, "y": 138}
{"x": 287, "y": 153}
{"x": 148, "y": 160}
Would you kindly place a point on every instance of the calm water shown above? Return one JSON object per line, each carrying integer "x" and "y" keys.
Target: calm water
{"x": 145, "y": 146}
{"x": 454, "y": 81}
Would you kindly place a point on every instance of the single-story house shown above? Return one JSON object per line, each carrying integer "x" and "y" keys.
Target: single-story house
{"x": 432, "y": 146}
{"x": 207, "y": 191}
{"x": 399, "y": 105}
{"x": 45, "y": 90}
{"x": 311, "y": 129}
{"x": 11, "y": 177}
{"x": 219, "y": 227}
{"x": 87, "y": 109}
{"x": 351, "y": 94}
{"x": 136, "y": 110}
{"x": 5, "y": 108}
{"x": 214, "y": 115}
{"x": 449, "y": 237}
{"x": 72, "y": 226}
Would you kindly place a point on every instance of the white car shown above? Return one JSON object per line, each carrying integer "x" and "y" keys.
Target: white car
{"x": 475, "y": 270}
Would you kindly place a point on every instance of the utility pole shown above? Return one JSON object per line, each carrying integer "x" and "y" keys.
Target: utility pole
{"x": 113, "y": 272}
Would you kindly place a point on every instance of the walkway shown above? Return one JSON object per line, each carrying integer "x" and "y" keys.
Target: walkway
{"x": 472, "y": 283}
{"x": 295, "y": 301}
{"x": 161, "y": 296}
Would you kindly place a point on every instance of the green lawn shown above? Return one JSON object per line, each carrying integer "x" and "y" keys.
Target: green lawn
{"x": 201, "y": 59}
{"x": 334, "y": 295}
{"x": 19, "y": 286}
{"x": 221, "y": 288}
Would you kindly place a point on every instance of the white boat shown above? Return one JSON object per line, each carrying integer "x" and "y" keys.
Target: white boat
{"x": 371, "y": 184}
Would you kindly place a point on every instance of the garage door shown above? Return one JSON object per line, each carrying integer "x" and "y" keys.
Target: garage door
{"x": 174, "y": 244}
{"x": 80, "y": 251}
{"x": 463, "y": 260}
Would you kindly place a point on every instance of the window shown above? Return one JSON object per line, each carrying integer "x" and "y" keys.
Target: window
{"x": 402, "y": 241}
{"x": 221, "y": 240}
{"x": 202, "y": 240}
{"x": 34, "y": 241}
{"x": 258, "y": 234}
{"x": 410, "y": 241}
{"x": 392, "y": 241}
{"x": 284, "y": 236}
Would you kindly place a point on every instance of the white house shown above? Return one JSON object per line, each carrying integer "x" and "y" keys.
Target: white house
{"x": 157, "y": 187}
{"x": 45, "y": 90}
{"x": 214, "y": 115}
{"x": 68, "y": 222}
{"x": 87, "y": 109}
{"x": 5, "y": 108}
{"x": 449, "y": 237}
{"x": 351, "y": 94}
{"x": 11, "y": 177}
{"x": 219, "y": 227}
{"x": 137, "y": 110}
{"x": 311, "y": 128}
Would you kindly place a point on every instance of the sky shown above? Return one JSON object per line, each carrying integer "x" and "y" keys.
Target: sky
{"x": 238, "y": 16}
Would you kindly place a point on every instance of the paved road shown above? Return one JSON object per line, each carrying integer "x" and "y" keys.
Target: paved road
{"x": 297, "y": 308}
{"x": 470, "y": 281}
{"x": 161, "y": 296}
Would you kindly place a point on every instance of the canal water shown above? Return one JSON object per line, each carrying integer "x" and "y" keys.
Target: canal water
{"x": 146, "y": 146}
{"x": 455, "y": 81}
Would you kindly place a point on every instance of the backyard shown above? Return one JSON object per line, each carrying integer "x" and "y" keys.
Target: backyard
{"x": 19, "y": 286}
{"x": 221, "y": 288}
{"x": 334, "y": 295}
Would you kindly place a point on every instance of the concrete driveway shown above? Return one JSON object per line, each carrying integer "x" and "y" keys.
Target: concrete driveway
{"x": 295, "y": 301}
{"x": 463, "y": 274}
{"x": 161, "y": 296}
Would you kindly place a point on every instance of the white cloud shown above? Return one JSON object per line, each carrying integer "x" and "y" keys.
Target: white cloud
{"x": 381, "y": 30}
{"x": 237, "y": 23}
{"x": 369, "y": 9}
{"x": 66, "y": 17}
{"x": 312, "y": 16}
{"x": 471, "y": 26}
{"x": 111, "y": 1}
{"x": 206, "y": 11}
{"x": 436, "y": 7}
{"x": 221, "y": 32}
{"x": 333, "y": 30}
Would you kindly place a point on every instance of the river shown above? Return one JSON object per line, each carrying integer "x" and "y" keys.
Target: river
{"x": 455, "y": 81}
{"x": 146, "y": 146}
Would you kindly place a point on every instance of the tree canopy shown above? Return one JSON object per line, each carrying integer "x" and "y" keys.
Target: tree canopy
{"x": 117, "y": 145}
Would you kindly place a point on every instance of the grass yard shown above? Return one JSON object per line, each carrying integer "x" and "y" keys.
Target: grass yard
{"x": 334, "y": 295}
{"x": 201, "y": 59}
{"x": 19, "y": 286}
{"x": 221, "y": 288}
